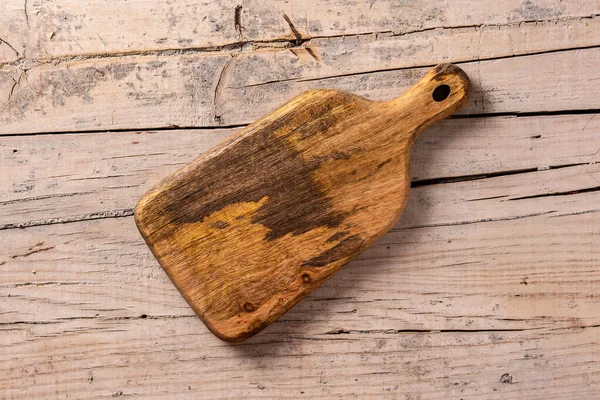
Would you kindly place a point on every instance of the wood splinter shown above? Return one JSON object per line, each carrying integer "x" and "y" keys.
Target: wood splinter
{"x": 261, "y": 220}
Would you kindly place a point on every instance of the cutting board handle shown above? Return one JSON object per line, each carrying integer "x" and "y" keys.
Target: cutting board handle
{"x": 436, "y": 96}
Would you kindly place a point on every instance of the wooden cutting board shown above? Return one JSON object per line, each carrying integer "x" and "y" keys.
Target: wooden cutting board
{"x": 252, "y": 226}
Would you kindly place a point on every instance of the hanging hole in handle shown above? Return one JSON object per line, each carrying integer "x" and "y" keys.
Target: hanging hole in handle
{"x": 441, "y": 93}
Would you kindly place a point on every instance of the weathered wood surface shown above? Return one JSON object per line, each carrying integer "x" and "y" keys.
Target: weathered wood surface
{"x": 487, "y": 288}
{"x": 68, "y": 28}
{"x": 224, "y": 88}
{"x": 490, "y": 296}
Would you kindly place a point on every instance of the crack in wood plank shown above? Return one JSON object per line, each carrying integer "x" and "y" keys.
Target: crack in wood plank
{"x": 43, "y": 284}
{"x": 12, "y": 89}
{"x": 457, "y": 62}
{"x": 477, "y": 221}
{"x": 515, "y": 24}
{"x": 341, "y": 331}
{"x": 237, "y": 16}
{"x": 42, "y": 197}
{"x": 216, "y": 113}
{"x": 76, "y": 218}
{"x": 26, "y": 13}
{"x": 12, "y": 48}
{"x": 252, "y": 45}
{"x": 125, "y": 130}
{"x": 33, "y": 252}
{"x": 474, "y": 177}
{"x": 16, "y": 83}
{"x": 553, "y": 194}
{"x": 98, "y": 317}
{"x": 297, "y": 34}
{"x": 576, "y": 213}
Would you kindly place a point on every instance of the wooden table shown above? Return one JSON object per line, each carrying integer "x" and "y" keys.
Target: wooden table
{"x": 488, "y": 287}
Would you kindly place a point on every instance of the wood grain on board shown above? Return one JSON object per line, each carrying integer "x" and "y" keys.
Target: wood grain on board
{"x": 255, "y": 224}
{"x": 486, "y": 288}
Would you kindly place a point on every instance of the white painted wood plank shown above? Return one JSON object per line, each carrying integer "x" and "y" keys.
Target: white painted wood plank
{"x": 168, "y": 358}
{"x": 60, "y": 28}
{"x": 376, "y": 52}
{"x": 466, "y": 287}
{"x": 537, "y": 83}
{"x": 213, "y": 89}
{"x": 109, "y": 95}
{"x": 61, "y": 176}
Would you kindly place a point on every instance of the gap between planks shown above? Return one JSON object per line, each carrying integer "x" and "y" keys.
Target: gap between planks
{"x": 590, "y": 111}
